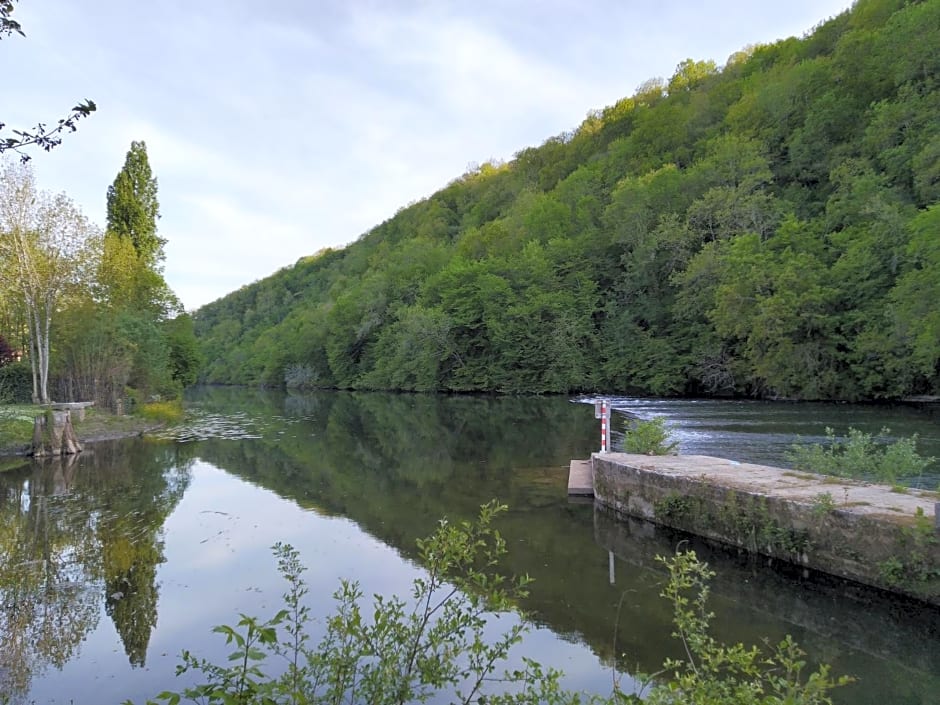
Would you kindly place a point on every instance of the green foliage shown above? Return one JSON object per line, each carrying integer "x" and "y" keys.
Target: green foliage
{"x": 648, "y": 437}
{"x": 120, "y": 335}
{"x": 440, "y": 643}
{"x": 823, "y": 504}
{"x": 913, "y": 562}
{"x": 860, "y": 456}
{"x": 765, "y": 229}
{"x": 713, "y": 673}
{"x": 16, "y": 383}
{"x": 184, "y": 352}
{"x": 133, "y": 208}
{"x": 162, "y": 411}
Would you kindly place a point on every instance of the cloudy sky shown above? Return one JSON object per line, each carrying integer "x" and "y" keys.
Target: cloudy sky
{"x": 277, "y": 128}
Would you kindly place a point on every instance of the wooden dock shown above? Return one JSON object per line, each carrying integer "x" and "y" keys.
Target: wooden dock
{"x": 580, "y": 479}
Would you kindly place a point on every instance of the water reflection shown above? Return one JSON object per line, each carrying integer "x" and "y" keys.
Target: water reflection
{"x": 395, "y": 464}
{"x": 165, "y": 539}
{"x": 78, "y": 532}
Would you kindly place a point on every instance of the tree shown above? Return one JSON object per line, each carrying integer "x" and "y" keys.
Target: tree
{"x": 48, "y": 246}
{"x": 185, "y": 356}
{"x": 40, "y": 136}
{"x": 133, "y": 208}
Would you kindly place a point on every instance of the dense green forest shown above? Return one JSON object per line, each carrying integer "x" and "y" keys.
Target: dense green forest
{"x": 766, "y": 228}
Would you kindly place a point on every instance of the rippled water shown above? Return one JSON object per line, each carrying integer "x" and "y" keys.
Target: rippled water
{"x": 112, "y": 562}
{"x": 764, "y": 432}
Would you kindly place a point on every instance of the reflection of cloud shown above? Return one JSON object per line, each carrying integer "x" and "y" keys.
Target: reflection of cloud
{"x": 220, "y": 563}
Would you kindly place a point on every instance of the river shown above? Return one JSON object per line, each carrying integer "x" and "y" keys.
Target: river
{"x": 113, "y": 562}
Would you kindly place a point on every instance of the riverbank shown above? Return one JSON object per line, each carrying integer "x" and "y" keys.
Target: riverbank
{"x": 873, "y": 534}
{"x": 16, "y": 427}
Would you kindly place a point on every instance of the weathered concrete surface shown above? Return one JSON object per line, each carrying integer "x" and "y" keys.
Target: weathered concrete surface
{"x": 76, "y": 407}
{"x": 580, "y": 479}
{"x": 854, "y": 530}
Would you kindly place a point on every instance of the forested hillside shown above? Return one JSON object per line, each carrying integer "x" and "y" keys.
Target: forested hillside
{"x": 768, "y": 228}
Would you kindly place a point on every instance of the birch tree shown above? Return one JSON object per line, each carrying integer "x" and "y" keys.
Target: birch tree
{"x": 47, "y": 246}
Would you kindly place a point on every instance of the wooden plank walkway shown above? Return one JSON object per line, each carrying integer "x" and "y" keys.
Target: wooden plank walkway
{"x": 580, "y": 479}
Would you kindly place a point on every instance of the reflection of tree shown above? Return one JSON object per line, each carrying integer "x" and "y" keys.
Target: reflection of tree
{"x": 72, "y": 530}
{"x": 134, "y": 505}
{"x": 47, "y": 605}
{"x": 396, "y": 463}
{"x": 130, "y": 569}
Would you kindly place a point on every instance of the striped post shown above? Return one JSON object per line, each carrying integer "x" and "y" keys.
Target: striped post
{"x": 605, "y": 422}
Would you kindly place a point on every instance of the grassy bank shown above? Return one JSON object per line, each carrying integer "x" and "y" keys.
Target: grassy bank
{"x": 16, "y": 424}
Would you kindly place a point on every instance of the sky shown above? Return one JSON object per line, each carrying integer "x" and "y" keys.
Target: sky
{"x": 278, "y": 128}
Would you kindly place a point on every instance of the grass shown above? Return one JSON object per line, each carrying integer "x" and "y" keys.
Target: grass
{"x": 799, "y": 475}
{"x": 16, "y": 426}
{"x": 16, "y": 423}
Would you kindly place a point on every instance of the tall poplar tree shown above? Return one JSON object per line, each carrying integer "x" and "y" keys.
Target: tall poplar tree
{"x": 133, "y": 208}
{"x": 148, "y": 347}
{"x": 131, "y": 273}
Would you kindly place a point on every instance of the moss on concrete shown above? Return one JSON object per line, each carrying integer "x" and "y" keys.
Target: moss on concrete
{"x": 866, "y": 533}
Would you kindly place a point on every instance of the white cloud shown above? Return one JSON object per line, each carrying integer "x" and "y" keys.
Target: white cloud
{"x": 281, "y": 128}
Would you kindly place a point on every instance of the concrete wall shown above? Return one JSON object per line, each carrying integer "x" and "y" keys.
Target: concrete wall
{"x": 858, "y": 531}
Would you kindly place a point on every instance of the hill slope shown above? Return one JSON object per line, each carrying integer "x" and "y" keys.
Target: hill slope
{"x": 769, "y": 228}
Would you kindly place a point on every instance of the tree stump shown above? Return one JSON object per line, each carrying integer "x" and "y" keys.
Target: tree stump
{"x": 53, "y": 435}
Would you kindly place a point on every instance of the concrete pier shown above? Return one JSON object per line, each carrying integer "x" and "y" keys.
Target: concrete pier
{"x": 864, "y": 532}
{"x": 580, "y": 479}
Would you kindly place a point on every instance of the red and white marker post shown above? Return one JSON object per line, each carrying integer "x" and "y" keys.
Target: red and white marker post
{"x": 602, "y": 412}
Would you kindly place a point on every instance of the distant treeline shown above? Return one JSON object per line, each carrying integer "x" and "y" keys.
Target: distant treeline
{"x": 769, "y": 228}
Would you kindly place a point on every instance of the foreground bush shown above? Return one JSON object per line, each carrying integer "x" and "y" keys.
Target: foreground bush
{"x": 436, "y": 645}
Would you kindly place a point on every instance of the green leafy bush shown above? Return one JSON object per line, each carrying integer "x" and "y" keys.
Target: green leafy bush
{"x": 16, "y": 383}
{"x": 439, "y": 644}
{"x": 860, "y": 456}
{"x": 713, "y": 673}
{"x": 648, "y": 437}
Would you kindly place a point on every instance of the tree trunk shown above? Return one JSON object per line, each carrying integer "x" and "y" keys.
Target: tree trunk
{"x": 53, "y": 435}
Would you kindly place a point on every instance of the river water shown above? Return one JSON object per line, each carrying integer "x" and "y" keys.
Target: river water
{"x": 113, "y": 562}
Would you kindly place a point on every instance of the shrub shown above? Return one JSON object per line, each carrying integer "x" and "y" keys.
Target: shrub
{"x": 713, "y": 673}
{"x": 439, "y": 646}
{"x": 648, "y": 437}
{"x": 860, "y": 456}
{"x": 162, "y": 411}
{"x": 16, "y": 383}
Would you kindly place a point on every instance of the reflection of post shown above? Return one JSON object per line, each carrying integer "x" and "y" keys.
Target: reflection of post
{"x": 610, "y": 560}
